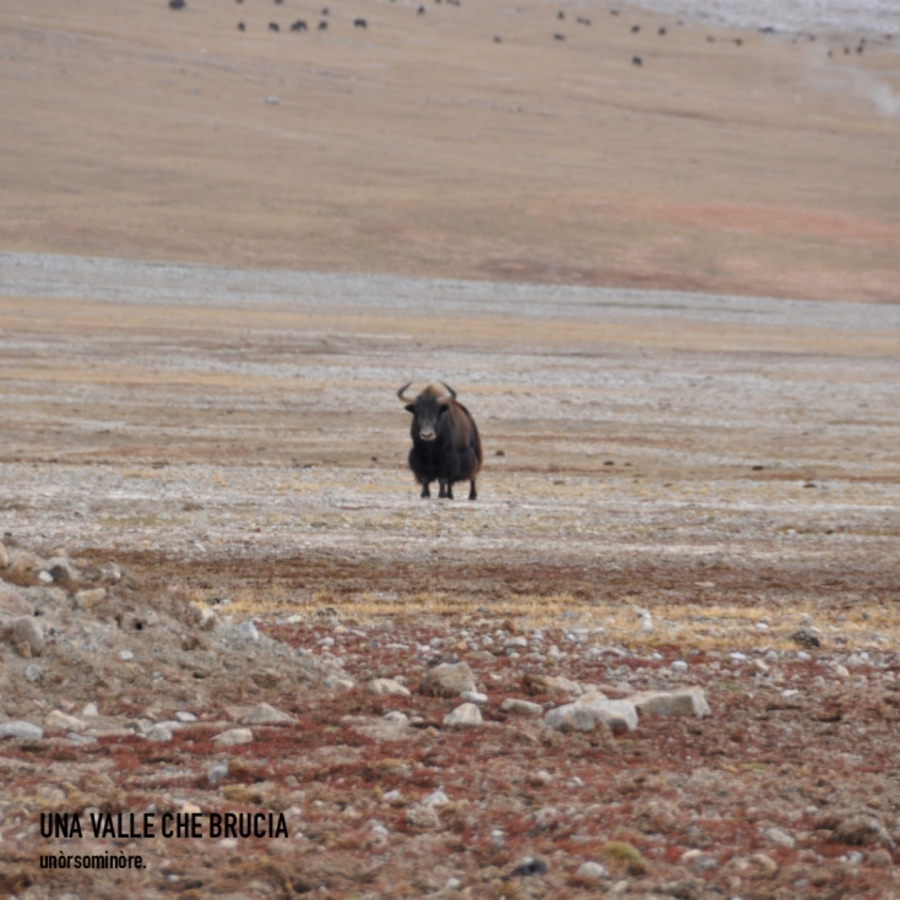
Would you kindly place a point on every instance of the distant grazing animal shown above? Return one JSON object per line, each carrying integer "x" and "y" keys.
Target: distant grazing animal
{"x": 446, "y": 446}
{"x": 360, "y": 23}
{"x": 299, "y": 25}
{"x": 635, "y": 29}
{"x": 273, "y": 26}
{"x": 636, "y": 61}
{"x": 662, "y": 32}
{"x": 421, "y": 11}
{"x": 177, "y": 4}
{"x": 581, "y": 20}
{"x": 559, "y": 37}
{"x": 498, "y": 39}
{"x": 560, "y": 15}
{"x": 323, "y": 25}
{"x": 242, "y": 26}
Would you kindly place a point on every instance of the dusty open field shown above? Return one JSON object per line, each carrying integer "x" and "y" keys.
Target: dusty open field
{"x": 231, "y": 439}
{"x": 419, "y": 146}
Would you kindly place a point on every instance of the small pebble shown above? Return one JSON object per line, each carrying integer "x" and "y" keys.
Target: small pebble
{"x": 33, "y": 673}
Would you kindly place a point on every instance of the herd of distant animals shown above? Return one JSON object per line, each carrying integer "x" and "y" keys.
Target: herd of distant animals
{"x": 300, "y": 25}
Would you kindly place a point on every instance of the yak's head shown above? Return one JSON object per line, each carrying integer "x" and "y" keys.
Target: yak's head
{"x": 428, "y": 409}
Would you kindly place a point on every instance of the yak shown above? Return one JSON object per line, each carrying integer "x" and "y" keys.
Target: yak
{"x": 446, "y": 446}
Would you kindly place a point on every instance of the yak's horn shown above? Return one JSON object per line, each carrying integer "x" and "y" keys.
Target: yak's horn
{"x": 450, "y": 389}
{"x": 402, "y": 391}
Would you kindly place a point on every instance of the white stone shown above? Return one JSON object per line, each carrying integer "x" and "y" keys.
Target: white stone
{"x": 88, "y": 598}
{"x": 33, "y": 673}
{"x": 20, "y": 729}
{"x": 437, "y": 798}
{"x": 519, "y": 707}
{"x": 248, "y": 630}
{"x": 777, "y": 836}
{"x": 588, "y": 711}
{"x": 159, "y": 733}
{"x": 397, "y": 717}
{"x": 464, "y": 715}
{"x": 515, "y": 642}
{"x": 616, "y": 713}
{"x": 60, "y": 721}
{"x": 686, "y": 701}
{"x": 233, "y": 737}
{"x": 679, "y": 665}
{"x": 29, "y": 631}
{"x": 571, "y": 717}
{"x": 387, "y": 686}
{"x": 592, "y": 870}
{"x": 264, "y": 714}
{"x": 184, "y": 716}
{"x": 126, "y": 656}
{"x": 474, "y": 697}
{"x": 448, "y": 680}
{"x": 90, "y": 711}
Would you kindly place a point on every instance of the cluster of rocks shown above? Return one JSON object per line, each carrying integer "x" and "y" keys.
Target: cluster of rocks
{"x": 80, "y": 631}
{"x": 590, "y": 710}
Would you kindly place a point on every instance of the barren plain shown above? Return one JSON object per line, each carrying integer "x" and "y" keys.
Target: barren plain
{"x": 667, "y": 292}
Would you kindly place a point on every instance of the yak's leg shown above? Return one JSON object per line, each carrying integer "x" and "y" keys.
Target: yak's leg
{"x": 443, "y": 492}
{"x": 473, "y": 494}
{"x": 425, "y": 491}
{"x": 449, "y": 490}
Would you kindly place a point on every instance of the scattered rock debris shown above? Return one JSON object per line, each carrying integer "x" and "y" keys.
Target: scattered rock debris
{"x": 670, "y": 772}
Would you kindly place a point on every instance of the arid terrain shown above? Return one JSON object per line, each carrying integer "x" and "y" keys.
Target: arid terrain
{"x": 661, "y": 265}
{"x": 726, "y": 161}
{"x": 679, "y": 490}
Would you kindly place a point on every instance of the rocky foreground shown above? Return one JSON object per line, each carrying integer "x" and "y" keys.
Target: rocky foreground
{"x": 450, "y": 755}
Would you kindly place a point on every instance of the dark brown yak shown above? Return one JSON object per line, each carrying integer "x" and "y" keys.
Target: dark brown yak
{"x": 446, "y": 446}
